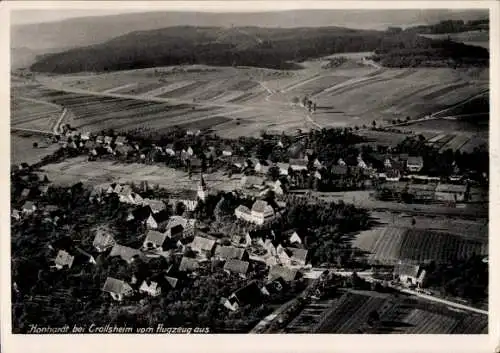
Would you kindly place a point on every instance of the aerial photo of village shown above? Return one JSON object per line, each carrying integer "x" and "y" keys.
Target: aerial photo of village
{"x": 302, "y": 171}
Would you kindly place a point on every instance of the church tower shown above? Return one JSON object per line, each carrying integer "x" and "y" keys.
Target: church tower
{"x": 202, "y": 189}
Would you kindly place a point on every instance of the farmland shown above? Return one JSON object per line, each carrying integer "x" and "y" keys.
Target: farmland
{"x": 93, "y": 173}
{"x": 388, "y": 245}
{"x": 349, "y": 311}
{"x": 33, "y": 114}
{"x": 22, "y": 150}
{"x": 380, "y": 94}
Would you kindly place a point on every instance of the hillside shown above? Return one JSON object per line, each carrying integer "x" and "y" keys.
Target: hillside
{"x": 253, "y": 46}
{"x": 93, "y": 30}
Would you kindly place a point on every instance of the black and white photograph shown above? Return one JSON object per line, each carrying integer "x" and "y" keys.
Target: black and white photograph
{"x": 264, "y": 171}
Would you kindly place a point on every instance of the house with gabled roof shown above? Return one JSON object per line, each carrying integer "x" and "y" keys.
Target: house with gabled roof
{"x": 140, "y": 214}
{"x": 103, "y": 239}
{"x": 450, "y": 192}
{"x": 203, "y": 245}
{"x": 171, "y": 281}
{"x": 248, "y": 294}
{"x": 150, "y": 288}
{"x": 409, "y": 274}
{"x": 158, "y": 220}
{"x": 238, "y": 267}
{"x": 279, "y": 271}
{"x": 295, "y": 238}
{"x": 227, "y": 151}
{"x": 154, "y": 240}
{"x": 297, "y": 256}
{"x": 231, "y": 252}
{"x": 126, "y": 253}
{"x": 117, "y": 288}
{"x": 99, "y": 139}
{"x": 188, "y": 265}
{"x": 155, "y": 205}
{"x": 63, "y": 259}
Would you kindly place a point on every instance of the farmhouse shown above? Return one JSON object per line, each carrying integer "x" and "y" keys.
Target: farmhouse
{"x": 450, "y": 193}
{"x": 154, "y": 240}
{"x": 231, "y": 252}
{"x": 150, "y": 288}
{"x": 118, "y": 289}
{"x": 103, "y": 239}
{"x": 415, "y": 164}
{"x": 410, "y": 274}
{"x": 63, "y": 259}
{"x": 126, "y": 253}
{"x": 237, "y": 267}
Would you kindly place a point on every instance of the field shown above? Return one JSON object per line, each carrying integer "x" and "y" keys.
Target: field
{"x": 244, "y": 100}
{"x": 388, "y": 245}
{"x": 33, "y": 114}
{"x": 93, "y": 173}
{"x": 21, "y": 147}
{"x": 349, "y": 315}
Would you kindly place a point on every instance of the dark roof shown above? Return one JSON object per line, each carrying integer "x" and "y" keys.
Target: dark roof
{"x": 161, "y": 217}
{"x": 279, "y": 271}
{"x": 28, "y": 205}
{"x": 248, "y": 294}
{"x": 297, "y": 254}
{"x": 172, "y": 281}
{"x": 236, "y": 266}
{"x": 142, "y": 213}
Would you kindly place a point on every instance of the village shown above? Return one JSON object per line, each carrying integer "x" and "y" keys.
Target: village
{"x": 261, "y": 235}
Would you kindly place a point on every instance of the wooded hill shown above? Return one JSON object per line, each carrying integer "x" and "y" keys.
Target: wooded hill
{"x": 250, "y": 46}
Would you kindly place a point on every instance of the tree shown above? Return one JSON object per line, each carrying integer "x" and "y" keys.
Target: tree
{"x": 35, "y": 144}
{"x": 295, "y": 100}
{"x": 374, "y": 123}
{"x": 274, "y": 172}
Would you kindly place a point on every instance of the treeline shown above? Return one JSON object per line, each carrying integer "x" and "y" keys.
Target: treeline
{"x": 411, "y": 50}
{"x": 451, "y": 26}
{"x": 261, "y": 47}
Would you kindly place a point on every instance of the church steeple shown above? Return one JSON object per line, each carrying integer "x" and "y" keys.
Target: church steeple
{"x": 202, "y": 188}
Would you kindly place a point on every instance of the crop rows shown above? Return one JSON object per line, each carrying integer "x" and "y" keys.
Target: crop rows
{"x": 390, "y": 244}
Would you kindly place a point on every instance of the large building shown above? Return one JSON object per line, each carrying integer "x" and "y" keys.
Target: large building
{"x": 260, "y": 213}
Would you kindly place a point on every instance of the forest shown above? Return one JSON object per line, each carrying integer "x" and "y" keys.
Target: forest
{"x": 252, "y": 46}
